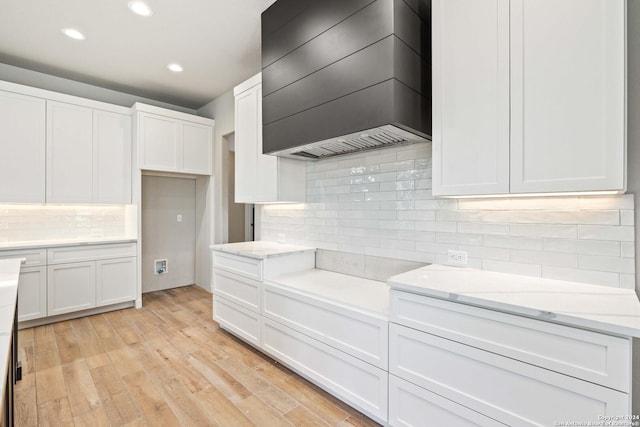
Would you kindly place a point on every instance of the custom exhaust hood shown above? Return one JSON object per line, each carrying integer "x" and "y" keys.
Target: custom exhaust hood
{"x": 340, "y": 76}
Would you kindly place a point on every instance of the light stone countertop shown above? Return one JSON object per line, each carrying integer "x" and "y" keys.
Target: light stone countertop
{"x": 366, "y": 295}
{"x": 260, "y": 249}
{"x": 51, "y": 243}
{"x": 603, "y": 309}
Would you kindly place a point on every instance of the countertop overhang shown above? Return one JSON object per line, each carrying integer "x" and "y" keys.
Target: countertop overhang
{"x": 260, "y": 249}
{"x": 603, "y": 309}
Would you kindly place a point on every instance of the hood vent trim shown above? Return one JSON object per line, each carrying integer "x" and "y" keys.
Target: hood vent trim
{"x": 339, "y": 146}
{"x": 372, "y": 139}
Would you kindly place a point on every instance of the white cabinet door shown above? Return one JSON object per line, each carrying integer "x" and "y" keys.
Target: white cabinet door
{"x": 158, "y": 143}
{"x": 248, "y": 131}
{"x": 69, "y": 153}
{"x": 470, "y": 97}
{"x": 32, "y": 293}
{"x": 568, "y": 95}
{"x": 266, "y": 177}
{"x": 71, "y": 287}
{"x": 261, "y": 178}
{"x": 115, "y": 281}
{"x": 197, "y": 141}
{"x": 22, "y": 163}
{"x": 112, "y": 171}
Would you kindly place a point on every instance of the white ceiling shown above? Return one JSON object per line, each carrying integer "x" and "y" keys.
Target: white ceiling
{"x": 216, "y": 41}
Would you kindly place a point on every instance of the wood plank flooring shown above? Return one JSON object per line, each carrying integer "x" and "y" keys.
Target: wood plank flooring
{"x": 167, "y": 364}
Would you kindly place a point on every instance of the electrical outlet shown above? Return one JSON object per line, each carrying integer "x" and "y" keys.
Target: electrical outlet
{"x": 457, "y": 257}
{"x": 179, "y": 217}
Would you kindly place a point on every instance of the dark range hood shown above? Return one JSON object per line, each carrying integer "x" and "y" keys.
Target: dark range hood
{"x": 340, "y": 76}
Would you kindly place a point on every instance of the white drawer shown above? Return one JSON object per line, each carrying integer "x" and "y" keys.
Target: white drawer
{"x": 238, "y": 289}
{"x": 90, "y": 252}
{"x": 243, "y": 266}
{"x": 33, "y": 257}
{"x": 410, "y": 405}
{"x": 501, "y": 388}
{"x": 239, "y": 321}
{"x": 363, "y": 336}
{"x": 595, "y": 357}
{"x": 357, "y": 383}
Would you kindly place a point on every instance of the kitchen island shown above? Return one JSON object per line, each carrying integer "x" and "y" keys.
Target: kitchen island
{"x": 9, "y": 273}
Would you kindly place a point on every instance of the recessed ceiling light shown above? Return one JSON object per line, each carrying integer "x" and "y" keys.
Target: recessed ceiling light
{"x": 140, "y": 8}
{"x": 176, "y": 68}
{"x": 73, "y": 33}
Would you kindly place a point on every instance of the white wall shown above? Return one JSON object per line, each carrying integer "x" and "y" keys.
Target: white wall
{"x": 222, "y": 109}
{"x": 380, "y": 203}
{"x": 163, "y": 198}
{"x": 27, "y": 77}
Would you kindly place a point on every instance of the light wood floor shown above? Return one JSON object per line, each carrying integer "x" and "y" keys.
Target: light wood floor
{"x": 166, "y": 364}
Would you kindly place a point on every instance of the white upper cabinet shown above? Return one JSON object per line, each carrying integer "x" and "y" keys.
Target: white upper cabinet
{"x": 528, "y": 96}
{"x": 567, "y": 95}
{"x": 112, "y": 168}
{"x": 261, "y": 178}
{"x": 69, "y": 153}
{"x": 22, "y": 163}
{"x": 170, "y": 141}
{"x": 471, "y": 96}
{"x": 88, "y": 155}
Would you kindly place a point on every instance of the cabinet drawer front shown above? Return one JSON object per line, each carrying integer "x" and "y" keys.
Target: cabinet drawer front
{"x": 240, "y": 290}
{"x": 351, "y": 380}
{"x": 504, "y": 389}
{"x": 247, "y": 267}
{"x": 410, "y": 405}
{"x": 33, "y": 257}
{"x": 360, "y": 335}
{"x": 90, "y": 252}
{"x": 591, "y": 356}
{"x": 239, "y": 321}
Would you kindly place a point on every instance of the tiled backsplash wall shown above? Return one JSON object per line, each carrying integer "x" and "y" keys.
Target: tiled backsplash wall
{"x": 380, "y": 203}
{"x": 33, "y": 222}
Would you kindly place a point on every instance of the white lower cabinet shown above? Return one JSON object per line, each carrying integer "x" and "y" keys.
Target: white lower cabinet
{"x": 410, "y": 405}
{"x": 62, "y": 280}
{"x": 356, "y": 382}
{"x": 84, "y": 277}
{"x": 71, "y": 287}
{"x": 114, "y": 280}
{"x": 240, "y": 321}
{"x": 505, "y": 389}
{"x": 32, "y": 293}
{"x": 359, "y": 334}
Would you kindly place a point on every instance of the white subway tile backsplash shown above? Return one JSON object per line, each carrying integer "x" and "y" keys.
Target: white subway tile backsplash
{"x": 483, "y": 228}
{"x": 585, "y": 247}
{"x": 33, "y": 222}
{"x": 627, "y": 249}
{"x": 605, "y": 232}
{"x": 556, "y": 259}
{"x": 546, "y": 230}
{"x": 624, "y": 201}
{"x": 607, "y": 263}
{"x": 512, "y": 267}
{"x": 627, "y": 217}
{"x": 602, "y": 278}
{"x": 379, "y": 203}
